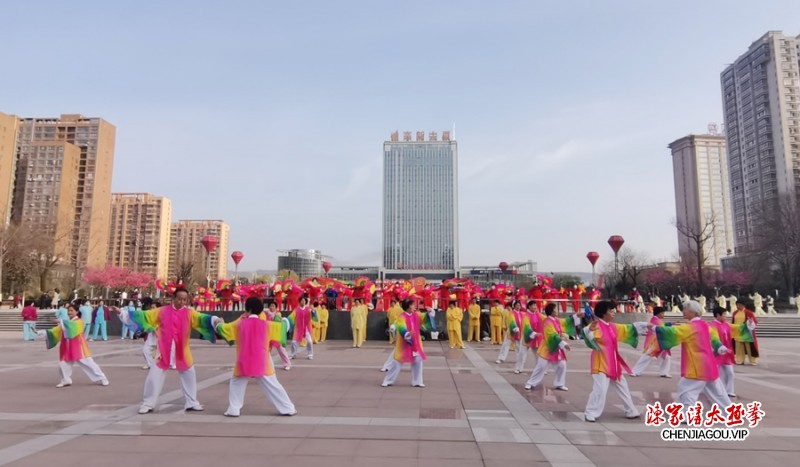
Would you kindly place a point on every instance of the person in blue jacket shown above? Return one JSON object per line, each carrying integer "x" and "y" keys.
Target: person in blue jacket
{"x": 99, "y": 322}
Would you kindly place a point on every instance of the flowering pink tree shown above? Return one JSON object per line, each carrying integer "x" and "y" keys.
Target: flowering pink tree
{"x": 115, "y": 277}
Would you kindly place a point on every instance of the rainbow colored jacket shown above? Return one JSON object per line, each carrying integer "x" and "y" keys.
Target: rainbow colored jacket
{"x": 532, "y": 322}
{"x": 699, "y": 343}
{"x": 515, "y": 322}
{"x": 69, "y": 334}
{"x": 727, "y": 334}
{"x": 171, "y": 325}
{"x": 411, "y": 323}
{"x": 651, "y": 347}
{"x": 552, "y": 329}
{"x": 251, "y": 334}
{"x": 604, "y": 342}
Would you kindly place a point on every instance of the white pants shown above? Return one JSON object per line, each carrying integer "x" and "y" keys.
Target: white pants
{"x": 597, "y": 398}
{"x": 395, "y": 367}
{"x": 283, "y": 355}
{"x": 726, "y": 378}
{"x": 155, "y": 383}
{"x": 388, "y": 364}
{"x": 504, "y": 349}
{"x": 542, "y": 366}
{"x": 689, "y": 391}
{"x": 309, "y": 345}
{"x": 645, "y": 360}
{"x": 522, "y": 356}
{"x": 88, "y": 366}
{"x": 150, "y": 351}
{"x": 271, "y": 387}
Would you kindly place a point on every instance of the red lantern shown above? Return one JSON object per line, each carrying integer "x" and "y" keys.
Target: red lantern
{"x": 616, "y": 241}
{"x": 237, "y": 257}
{"x": 326, "y": 265}
{"x": 593, "y": 256}
{"x": 503, "y": 266}
{"x": 209, "y": 243}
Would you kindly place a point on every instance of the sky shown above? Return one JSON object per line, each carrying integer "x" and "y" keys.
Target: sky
{"x": 271, "y": 115}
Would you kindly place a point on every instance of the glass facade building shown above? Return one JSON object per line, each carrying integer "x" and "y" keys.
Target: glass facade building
{"x": 306, "y": 263}
{"x": 420, "y": 204}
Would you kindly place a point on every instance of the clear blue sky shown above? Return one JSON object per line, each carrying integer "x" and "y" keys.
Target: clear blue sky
{"x": 272, "y": 115}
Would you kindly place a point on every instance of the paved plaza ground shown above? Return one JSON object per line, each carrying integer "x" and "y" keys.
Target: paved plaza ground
{"x": 473, "y": 412}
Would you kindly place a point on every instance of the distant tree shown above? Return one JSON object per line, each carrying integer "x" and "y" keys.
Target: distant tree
{"x": 16, "y": 264}
{"x": 264, "y": 279}
{"x": 566, "y": 280}
{"x": 285, "y": 274}
{"x": 778, "y": 238}
{"x": 696, "y": 238}
{"x": 631, "y": 267}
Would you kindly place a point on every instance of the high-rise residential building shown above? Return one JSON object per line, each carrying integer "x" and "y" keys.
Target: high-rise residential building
{"x": 8, "y": 157}
{"x": 761, "y": 103}
{"x": 46, "y": 191}
{"x": 185, "y": 246}
{"x": 140, "y": 232}
{"x": 702, "y": 197}
{"x": 95, "y": 139}
{"x": 420, "y": 204}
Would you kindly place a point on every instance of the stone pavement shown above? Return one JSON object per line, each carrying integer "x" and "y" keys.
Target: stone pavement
{"x": 472, "y": 413}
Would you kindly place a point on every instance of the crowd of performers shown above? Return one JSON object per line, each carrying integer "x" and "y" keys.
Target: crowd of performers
{"x": 342, "y": 295}
{"x": 708, "y": 350}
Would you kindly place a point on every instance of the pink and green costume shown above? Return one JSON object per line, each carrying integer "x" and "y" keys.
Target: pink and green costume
{"x": 605, "y": 348}
{"x": 69, "y": 334}
{"x": 411, "y": 323}
{"x": 171, "y": 325}
{"x": 252, "y": 338}
{"x": 552, "y": 329}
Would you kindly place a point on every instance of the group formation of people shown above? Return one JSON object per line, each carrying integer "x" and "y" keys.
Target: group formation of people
{"x": 709, "y": 351}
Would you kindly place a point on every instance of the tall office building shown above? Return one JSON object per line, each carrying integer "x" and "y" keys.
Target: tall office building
{"x": 760, "y": 96}
{"x": 46, "y": 191}
{"x": 95, "y": 137}
{"x": 8, "y": 157}
{"x": 420, "y": 205}
{"x": 185, "y": 246}
{"x": 702, "y": 196}
{"x": 140, "y": 231}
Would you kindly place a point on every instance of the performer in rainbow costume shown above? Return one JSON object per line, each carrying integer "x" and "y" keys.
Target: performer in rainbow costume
{"x": 603, "y": 337}
{"x": 172, "y": 324}
{"x": 699, "y": 343}
{"x": 278, "y": 330}
{"x": 532, "y": 321}
{"x": 651, "y": 349}
{"x": 252, "y": 334}
{"x": 408, "y": 347}
{"x": 743, "y": 347}
{"x": 514, "y": 324}
{"x": 728, "y": 333}
{"x": 68, "y": 335}
{"x": 551, "y": 350}
{"x": 301, "y": 324}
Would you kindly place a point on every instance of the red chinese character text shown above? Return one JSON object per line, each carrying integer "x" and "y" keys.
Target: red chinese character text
{"x": 654, "y": 416}
{"x": 675, "y": 411}
{"x": 735, "y": 414}
{"x": 754, "y": 413}
{"x": 694, "y": 415}
{"x": 714, "y": 416}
